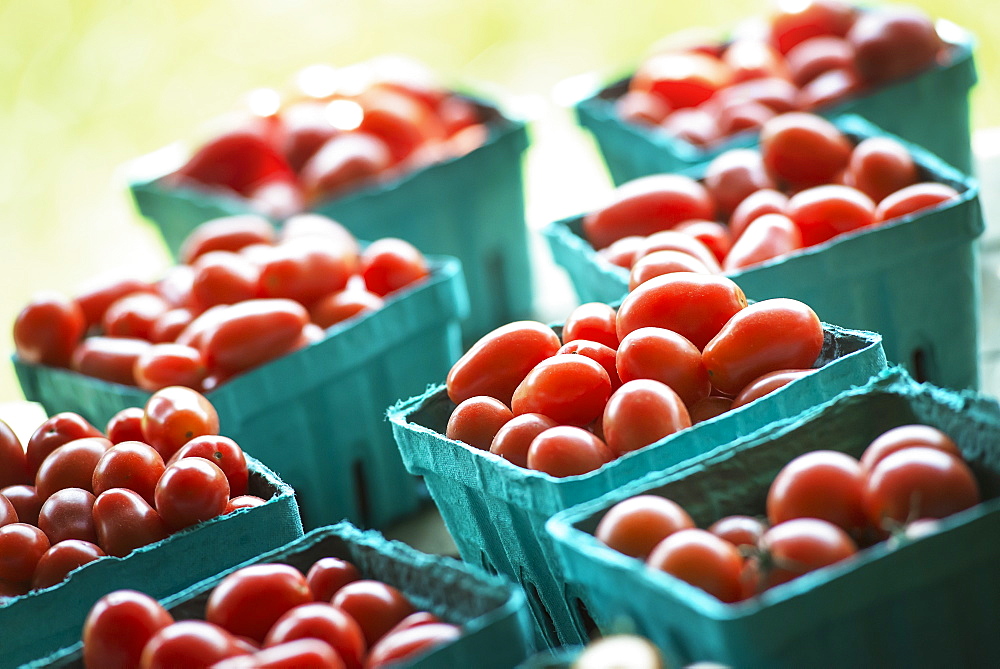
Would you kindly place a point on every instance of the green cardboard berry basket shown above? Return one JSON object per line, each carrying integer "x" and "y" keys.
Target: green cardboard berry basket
{"x": 317, "y": 416}
{"x": 44, "y": 621}
{"x": 470, "y": 207}
{"x": 496, "y": 511}
{"x": 930, "y": 109}
{"x": 924, "y": 602}
{"x": 489, "y": 608}
{"x": 914, "y": 281}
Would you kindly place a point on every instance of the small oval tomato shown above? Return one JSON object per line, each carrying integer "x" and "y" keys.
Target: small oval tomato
{"x": 816, "y": 55}
{"x": 191, "y": 490}
{"x": 622, "y": 252}
{"x": 70, "y": 466}
{"x": 174, "y": 416}
{"x": 402, "y": 122}
{"x": 477, "y": 420}
{"x": 740, "y": 531}
{"x": 321, "y": 620}
{"x": 592, "y": 321}
{"x": 712, "y": 234}
{"x": 343, "y": 304}
{"x": 48, "y": 329}
{"x": 189, "y": 643}
{"x": 708, "y": 408}
{"x": 125, "y": 521}
{"x": 126, "y": 425}
{"x": 667, "y": 357}
{"x": 57, "y": 430}
{"x": 566, "y": 450}
{"x": 8, "y": 514}
{"x": 163, "y": 365}
{"x": 96, "y": 295}
{"x": 305, "y": 128}
{"x": 907, "y": 436}
{"x": 640, "y": 413}
{"x": 223, "y": 277}
{"x": 820, "y": 484}
{"x": 914, "y": 198}
{"x": 799, "y": 546}
{"x": 390, "y": 264}
{"x": 824, "y": 212}
{"x": 733, "y": 175}
{"x": 757, "y": 204}
{"x": 118, "y": 627}
{"x": 766, "y": 384}
{"x": 647, "y": 205}
{"x": 109, "y": 358}
{"x": 68, "y": 514}
{"x": 225, "y": 453}
{"x": 569, "y": 389}
{"x": 131, "y": 464}
{"x": 497, "y": 363}
{"x": 229, "y": 233}
{"x": 599, "y": 353}
{"x": 239, "y": 159}
{"x": 21, "y": 547}
{"x": 328, "y": 575}
{"x": 376, "y": 606}
{"x": 659, "y": 263}
{"x": 13, "y": 459}
{"x": 514, "y": 438}
{"x": 134, "y": 315}
{"x": 408, "y": 644}
{"x": 695, "y": 306}
{"x": 298, "y": 654}
{"x": 243, "y": 502}
{"x": 636, "y": 525}
{"x": 701, "y": 559}
{"x": 803, "y": 150}
{"x": 253, "y": 332}
{"x": 794, "y": 22}
{"x": 767, "y": 237}
{"x": 775, "y": 93}
{"x": 345, "y": 161}
{"x": 893, "y": 42}
{"x": 194, "y": 332}
{"x": 769, "y": 335}
{"x": 683, "y": 79}
{"x": 673, "y": 240}
{"x": 880, "y": 166}
{"x": 25, "y": 500}
{"x": 306, "y": 269}
{"x": 249, "y": 601}
{"x": 61, "y": 558}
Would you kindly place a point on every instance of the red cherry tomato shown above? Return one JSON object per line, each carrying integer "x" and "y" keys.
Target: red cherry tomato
{"x": 592, "y": 321}
{"x": 622, "y": 252}
{"x": 701, "y": 559}
{"x": 243, "y": 502}
{"x": 647, "y": 205}
{"x": 8, "y": 514}
{"x": 819, "y": 484}
{"x": 695, "y": 125}
{"x": 48, "y": 329}
{"x": 240, "y": 160}
{"x": 569, "y": 389}
{"x": 70, "y": 466}
{"x": 25, "y": 500}
{"x": 306, "y": 128}
{"x": 126, "y": 425}
{"x": 345, "y": 161}
{"x": 68, "y": 514}
{"x": 189, "y": 643}
{"x": 174, "y": 416}
{"x": 642, "y": 412}
{"x": 757, "y": 204}
{"x": 914, "y": 198}
{"x": 225, "y": 453}
{"x": 409, "y": 644}
{"x": 766, "y": 384}
{"x": 795, "y": 22}
{"x": 328, "y": 575}
{"x": 59, "y": 429}
{"x": 191, "y": 490}
{"x": 659, "y": 263}
{"x": 341, "y": 305}
{"x": 229, "y": 233}
{"x": 298, "y": 654}
{"x": 776, "y": 93}
{"x": 673, "y": 240}
{"x": 514, "y": 438}
{"x": 907, "y": 436}
{"x": 733, "y": 175}
{"x": 125, "y": 521}
{"x": 802, "y": 545}
{"x": 893, "y": 42}
{"x": 389, "y": 264}
{"x": 816, "y": 55}
{"x": 743, "y": 115}
{"x": 477, "y": 420}
{"x": 13, "y": 460}
{"x": 599, "y": 353}
{"x": 194, "y": 332}
{"x": 377, "y": 607}
{"x": 823, "y": 212}
{"x": 767, "y": 336}
{"x": 134, "y": 315}
{"x": 404, "y": 123}
{"x": 95, "y": 296}
{"x": 118, "y": 627}
{"x": 253, "y": 332}
{"x": 250, "y": 600}
{"x": 709, "y": 408}
{"x": 695, "y": 306}
{"x": 636, "y": 525}
{"x": 682, "y": 79}
{"x": 712, "y": 234}
{"x": 109, "y": 358}
{"x": 740, "y": 531}
{"x": 566, "y": 450}
{"x": 766, "y": 238}
{"x": 130, "y": 464}
{"x": 321, "y": 620}
{"x": 163, "y": 365}
{"x": 306, "y": 269}
{"x": 223, "y": 277}
{"x": 667, "y": 357}
{"x": 499, "y": 361}
{"x": 880, "y": 166}
{"x": 803, "y": 150}
{"x": 61, "y": 558}
{"x": 21, "y": 547}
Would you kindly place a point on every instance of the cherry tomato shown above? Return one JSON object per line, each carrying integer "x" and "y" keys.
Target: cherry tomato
{"x": 343, "y": 304}
{"x": 701, "y": 559}
{"x": 189, "y": 643}
{"x": 819, "y": 484}
{"x": 130, "y": 464}
{"x": 642, "y": 412}
{"x": 795, "y": 22}
{"x": 712, "y": 234}
{"x": 816, "y": 55}
{"x": 250, "y": 600}
{"x": 593, "y": 321}
{"x": 918, "y": 482}
{"x": 25, "y": 500}
{"x": 566, "y": 450}
{"x": 126, "y": 425}
{"x": 239, "y": 160}
{"x": 402, "y": 122}
{"x": 709, "y": 408}
{"x": 733, "y": 175}
{"x": 906, "y": 436}
{"x": 647, "y": 205}
{"x": 61, "y": 558}
{"x": 13, "y": 460}
{"x": 306, "y": 127}
{"x": 21, "y": 546}
{"x": 229, "y": 233}
{"x": 118, "y": 627}
{"x": 914, "y": 198}
{"x": 769, "y": 335}
{"x": 125, "y": 521}
{"x": 57, "y": 430}
{"x": 893, "y": 42}
{"x": 667, "y": 357}
{"x": 191, "y": 490}
{"x": 298, "y": 654}
{"x": 803, "y": 149}
{"x": 328, "y": 575}
{"x": 569, "y": 389}
{"x": 776, "y": 93}
{"x": 672, "y": 240}
{"x": 599, "y": 353}
{"x": 514, "y": 438}
{"x": 68, "y": 514}
{"x": 48, "y": 329}
{"x": 306, "y": 269}
{"x": 325, "y": 622}
{"x": 743, "y": 115}
{"x": 802, "y": 545}
{"x": 766, "y": 384}
{"x": 766, "y": 238}
{"x": 70, "y": 466}
{"x": 636, "y": 525}
{"x": 477, "y": 420}
{"x": 408, "y": 644}
{"x": 753, "y": 58}
{"x": 695, "y": 306}
{"x": 96, "y": 295}
{"x": 824, "y": 212}
{"x": 243, "y": 502}
{"x": 377, "y": 607}
{"x": 163, "y": 365}
{"x": 659, "y": 263}
{"x": 224, "y": 453}
{"x": 740, "y": 531}
{"x": 497, "y": 363}
{"x": 880, "y": 166}
{"x": 174, "y": 416}
{"x": 223, "y": 277}
{"x": 642, "y": 107}
{"x": 682, "y": 79}
{"x": 253, "y": 332}
{"x": 622, "y": 252}
{"x": 390, "y": 264}
{"x": 8, "y": 514}
{"x": 109, "y": 358}
{"x": 345, "y": 161}
{"x": 134, "y": 315}
{"x": 755, "y": 205}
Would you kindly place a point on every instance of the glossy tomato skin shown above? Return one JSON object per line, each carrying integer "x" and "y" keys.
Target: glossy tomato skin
{"x": 249, "y": 601}
{"x": 70, "y": 466}
{"x": 8, "y": 514}
{"x": 95, "y": 296}
{"x": 223, "y": 277}
{"x": 239, "y": 159}
{"x": 766, "y": 384}
{"x": 893, "y": 42}
{"x": 695, "y": 306}
{"x": 477, "y": 420}
{"x": 674, "y": 240}
{"x": 640, "y": 413}
{"x": 817, "y": 55}
{"x": 109, "y": 358}
{"x": 345, "y": 161}
{"x": 733, "y": 175}
{"x": 566, "y": 450}
{"x": 21, "y": 547}
{"x": 497, "y": 363}
{"x": 802, "y": 545}
{"x": 118, "y": 627}
{"x": 131, "y": 464}
{"x": 702, "y": 559}
{"x": 48, "y": 329}
{"x": 57, "y": 430}
{"x": 820, "y": 484}
{"x": 25, "y": 500}
{"x": 69, "y": 514}
{"x": 708, "y": 408}
{"x": 125, "y": 521}
{"x": 823, "y": 212}
{"x": 591, "y": 321}
{"x": 328, "y": 575}
{"x": 408, "y": 644}
{"x": 766, "y": 238}
{"x": 189, "y": 643}
{"x": 514, "y": 438}
{"x": 253, "y": 332}
{"x": 667, "y": 357}
{"x": 306, "y": 269}
{"x": 636, "y": 525}
{"x": 713, "y": 234}
{"x": 13, "y": 459}
{"x": 740, "y": 531}
{"x": 658, "y": 263}
{"x": 174, "y": 416}
{"x": 793, "y": 23}
{"x": 298, "y": 654}
{"x": 323, "y": 621}
{"x": 769, "y": 335}
{"x": 880, "y": 166}
{"x": 134, "y": 315}
{"x": 376, "y": 606}
{"x": 907, "y": 436}
{"x": 803, "y": 150}
{"x": 569, "y": 389}
{"x": 914, "y": 198}
{"x": 599, "y": 353}
{"x": 190, "y": 491}
{"x": 683, "y": 79}
{"x": 766, "y": 201}
{"x": 225, "y": 453}
{"x": 163, "y": 365}
{"x": 61, "y": 558}
{"x": 342, "y": 305}
{"x": 229, "y": 233}
{"x": 126, "y": 425}
{"x": 390, "y": 264}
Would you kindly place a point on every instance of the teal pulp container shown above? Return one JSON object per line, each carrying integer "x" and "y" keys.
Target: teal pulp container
{"x": 915, "y": 281}
{"x": 317, "y": 416}
{"x": 470, "y": 207}
{"x": 930, "y": 109}
{"x": 496, "y": 511}
{"x": 490, "y": 609}
{"x": 921, "y": 602}
{"x": 45, "y": 621}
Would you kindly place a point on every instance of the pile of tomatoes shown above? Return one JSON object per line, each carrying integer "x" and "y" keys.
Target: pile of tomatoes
{"x": 268, "y": 615}
{"x": 75, "y": 494}
{"x": 338, "y": 130}
{"x": 807, "y": 55}
{"x": 243, "y": 295}
{"x": 805, "y": 185}
{"x": 821, "y": 508}
{"x": 681, "y": 348}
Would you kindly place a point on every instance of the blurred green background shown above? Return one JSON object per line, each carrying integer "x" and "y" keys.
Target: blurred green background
{"x": 85, "y": 86}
